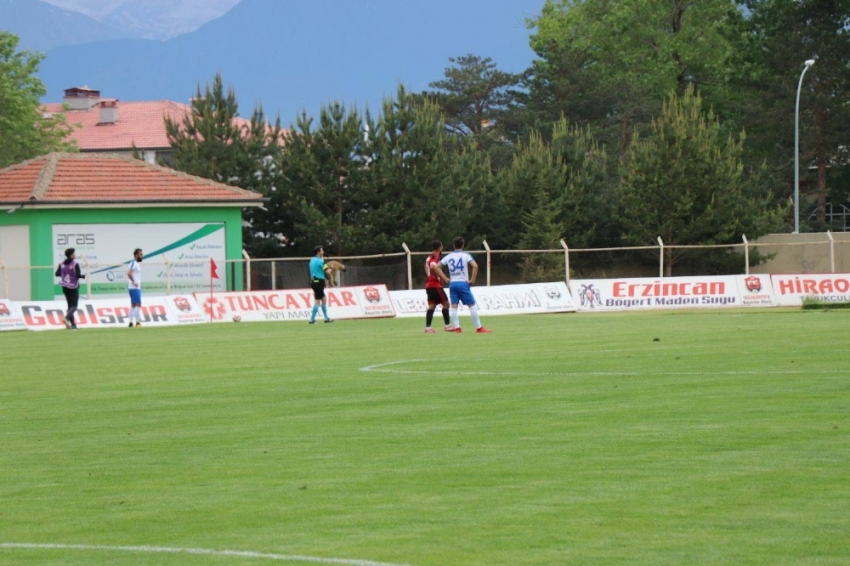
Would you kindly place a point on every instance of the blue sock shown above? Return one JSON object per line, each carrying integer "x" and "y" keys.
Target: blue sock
{"x": 313, "y": 314}
{"x": 325, "y": 311}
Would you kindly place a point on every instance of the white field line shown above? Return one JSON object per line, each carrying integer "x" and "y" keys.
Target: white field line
{"x": 383, "y": 368}
{"x": 198, "y": 551}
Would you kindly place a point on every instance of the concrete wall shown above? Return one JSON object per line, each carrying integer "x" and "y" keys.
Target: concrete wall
{"x": 803, "y": 253}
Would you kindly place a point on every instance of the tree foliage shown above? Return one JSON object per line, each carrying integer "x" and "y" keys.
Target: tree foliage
{"x": 780, "y": 35}
{"x": 25, "y": 130}
{"x": 685, "y": 182}
{"x": 212, "y": 142}
{"x": 359, "y": 185}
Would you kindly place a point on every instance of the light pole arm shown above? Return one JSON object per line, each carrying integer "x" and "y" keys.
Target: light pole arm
{"x": 797, "y": 151}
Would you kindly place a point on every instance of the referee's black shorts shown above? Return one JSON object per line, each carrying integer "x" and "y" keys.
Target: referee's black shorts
{"x": 436, "y": 295}
{"x": 318, "y": 286}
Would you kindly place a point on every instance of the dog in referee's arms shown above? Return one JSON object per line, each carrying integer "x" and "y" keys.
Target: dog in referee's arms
{"x": 332, "y": 269}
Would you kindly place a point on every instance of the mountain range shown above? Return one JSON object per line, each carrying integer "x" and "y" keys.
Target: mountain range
{"x": 41, "y": 26}
{"x": 150, "y": 19}
{"x": 44, "y": 25}
{"x": 290, "y": 55}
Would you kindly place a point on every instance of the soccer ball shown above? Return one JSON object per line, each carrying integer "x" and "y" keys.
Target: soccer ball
{"x": 237, "y": 318}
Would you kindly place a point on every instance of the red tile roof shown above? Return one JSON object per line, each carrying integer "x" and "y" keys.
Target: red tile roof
{"x": 105, "y": 178}
{"x": 139, "y": 123}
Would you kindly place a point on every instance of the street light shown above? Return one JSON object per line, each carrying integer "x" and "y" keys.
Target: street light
{"x": 809, "y": 63}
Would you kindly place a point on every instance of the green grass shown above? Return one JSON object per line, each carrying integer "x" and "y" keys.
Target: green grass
{"x": 558, "y": 439}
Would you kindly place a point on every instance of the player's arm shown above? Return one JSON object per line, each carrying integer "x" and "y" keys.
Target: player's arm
{"x": 437, "y": 271}
{"x": 130, "y": 276}
{"x": 474, "y": 267}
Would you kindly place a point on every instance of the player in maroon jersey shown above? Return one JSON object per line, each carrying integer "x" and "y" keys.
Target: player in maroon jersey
{"x": 434, "y": 288}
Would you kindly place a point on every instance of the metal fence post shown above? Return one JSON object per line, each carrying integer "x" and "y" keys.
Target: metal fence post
{"x": 661, "y": 256}
{"x": 566, "y": 261}
{"x": 746, "y": 254}
{"x": 489, "y": 261}
{"x": 247, "y": 270}
{"x": 409, "y": 267}
{"x": 167, "y": 275}
{"x": 274, "y": 275}
{"x": 831, "y": 250}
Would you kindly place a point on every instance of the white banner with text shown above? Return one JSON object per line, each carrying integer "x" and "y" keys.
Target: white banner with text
{"x": 671, "y": 293}
{"x": 533, "y": 298}
{"x": 791, "y": 289}
{"x": 10, "y": 318}
{"x": 111, "y": 313}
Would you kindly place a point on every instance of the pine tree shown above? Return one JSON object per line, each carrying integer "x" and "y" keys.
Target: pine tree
{"x": 210, "y": 142}
{"x": 685, "y": 182}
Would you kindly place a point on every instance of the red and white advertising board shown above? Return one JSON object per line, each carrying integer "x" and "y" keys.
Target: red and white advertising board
{"x": 791, "y": 289}
{"x": 367, "y": 301}
{"x": 656, "y": 293}
{"x": 110, "y": 313}
{"x": 10, "y": 319}
{"x": 533, "y": 298}
{"x": 756, "y": 290}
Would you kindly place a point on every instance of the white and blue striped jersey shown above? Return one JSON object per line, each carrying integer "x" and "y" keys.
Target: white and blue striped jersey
{"x": 458, "y": 264}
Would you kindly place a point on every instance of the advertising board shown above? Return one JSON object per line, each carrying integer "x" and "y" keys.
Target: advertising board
{"x": 10, "y": 319}
{"x": 108, "y": 248}
{"x": 110, "y": 313}
{"x": 656, "y": 293}
{"x": 366, "y": 301}
{"x": 532, "y": 298}
{"x": 791, "y": 289}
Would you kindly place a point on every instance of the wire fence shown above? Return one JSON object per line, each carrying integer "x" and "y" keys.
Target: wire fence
{"x": 783, "y": 253}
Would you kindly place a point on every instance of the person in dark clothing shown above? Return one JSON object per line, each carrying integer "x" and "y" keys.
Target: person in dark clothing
{"x": 69, "y": 276}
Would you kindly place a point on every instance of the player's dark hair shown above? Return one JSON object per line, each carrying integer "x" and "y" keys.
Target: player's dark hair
{"x": 69, "y": 252}
{"x": 458, "y": 243}
{"x": 137, "y": 250}
{"x": 317, "y": 249}
{"x": 436, "y": 245}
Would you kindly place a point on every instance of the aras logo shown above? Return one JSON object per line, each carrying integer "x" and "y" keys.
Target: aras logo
{"x": 372, "y": 294}
{"x": 182, "y": 303}
{"x": 4, "y": 310}
{"x": 589, "y": 296}
{"x": 753, "y": 284}
{"x": 214, "y": 308}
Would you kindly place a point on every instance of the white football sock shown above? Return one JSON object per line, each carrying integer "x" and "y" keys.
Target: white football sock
{"x": 473, "y": 314}
{"x": 455, "y": 318}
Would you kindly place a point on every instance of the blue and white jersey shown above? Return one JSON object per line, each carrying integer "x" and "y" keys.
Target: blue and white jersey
{"x": 136, "y": 269}
{"x": 458, "y": 264}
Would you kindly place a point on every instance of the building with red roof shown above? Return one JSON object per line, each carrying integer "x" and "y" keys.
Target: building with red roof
{"x": 108, "y": 124}
{"x": 105, "y": 205}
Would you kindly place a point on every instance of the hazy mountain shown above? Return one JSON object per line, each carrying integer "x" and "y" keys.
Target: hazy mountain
{"x": 293, "y": 54}
{"x": 41, "y": 26}
{"x": 151, "y": 19}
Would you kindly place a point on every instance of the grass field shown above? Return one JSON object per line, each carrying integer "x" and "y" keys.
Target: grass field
{"x": 638, "y": 438}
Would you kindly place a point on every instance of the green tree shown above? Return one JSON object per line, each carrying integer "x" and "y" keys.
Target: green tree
{"x": 629, "y": 53}
{"x": 476, "y": 99}
{"x": 429, "y": 183}
{"x": 473, "y": 94}
{"x": 776, "y": 38}
{"x": 685, "y": 182}
{"x": 212, "y": 142}
{"x": 25, "y": 131}
{"x": 325, "y": 183}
